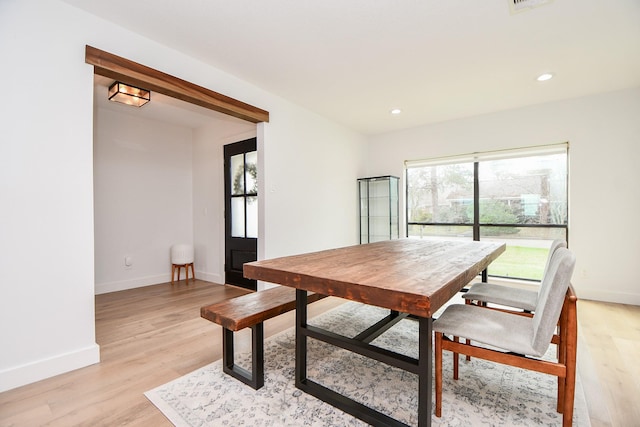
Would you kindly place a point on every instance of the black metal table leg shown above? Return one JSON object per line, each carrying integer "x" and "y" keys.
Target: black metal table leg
{"x": 425, "y": 373}
{"x": 301, "y": 338}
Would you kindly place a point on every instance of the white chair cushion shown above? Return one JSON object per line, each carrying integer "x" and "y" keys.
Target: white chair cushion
{"x": 503, "y": 295}
{"x": 506, "y": 331}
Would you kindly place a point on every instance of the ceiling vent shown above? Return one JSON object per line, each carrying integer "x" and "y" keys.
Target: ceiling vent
{"x": 522, "y": 5}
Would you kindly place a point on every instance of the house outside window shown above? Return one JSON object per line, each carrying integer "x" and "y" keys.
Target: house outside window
{"x": 518, "y": 197}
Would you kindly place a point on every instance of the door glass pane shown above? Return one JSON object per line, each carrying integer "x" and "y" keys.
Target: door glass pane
{"x": 237, "y": 174}
{"x": 251, "y": 172}
{"x": 527, "y": 190}
{"x": 252, "y": 217}
{"x": 237, "y": 217}
{"x": 441, "y": 194}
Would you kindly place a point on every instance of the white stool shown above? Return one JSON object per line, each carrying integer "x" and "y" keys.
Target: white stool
{"x": 182, "y": 256}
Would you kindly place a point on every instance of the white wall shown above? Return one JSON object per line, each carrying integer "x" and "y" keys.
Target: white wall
{"x": 604, "y": 199}
{"x": 46, "y": 185}
{"x": 46, "y": 179}
{"x": 310, "y": 186}
{"x": 143, "y": 199}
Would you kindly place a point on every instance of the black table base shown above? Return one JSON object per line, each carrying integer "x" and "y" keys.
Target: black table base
{"x": 361, "y": 345}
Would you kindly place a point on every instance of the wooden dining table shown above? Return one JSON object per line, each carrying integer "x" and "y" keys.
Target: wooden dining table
{"x": 410, "y": 277}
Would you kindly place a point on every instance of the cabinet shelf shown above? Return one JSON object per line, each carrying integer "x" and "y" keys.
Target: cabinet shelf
{"x": 379, "y": 208}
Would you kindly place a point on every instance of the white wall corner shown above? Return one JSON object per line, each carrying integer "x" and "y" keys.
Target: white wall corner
{"x": 35, "y": 371}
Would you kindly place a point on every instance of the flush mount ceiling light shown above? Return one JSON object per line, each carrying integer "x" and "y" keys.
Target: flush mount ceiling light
{"x": 396, "y": 111}
{"x": 544, "y": 77}
{"x": 127, "y": 94}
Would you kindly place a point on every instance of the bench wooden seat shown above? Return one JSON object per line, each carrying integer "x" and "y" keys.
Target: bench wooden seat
{"x": 250, "y": 311}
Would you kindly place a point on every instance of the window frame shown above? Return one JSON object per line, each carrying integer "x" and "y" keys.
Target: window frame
{"x": 477, "y": 159}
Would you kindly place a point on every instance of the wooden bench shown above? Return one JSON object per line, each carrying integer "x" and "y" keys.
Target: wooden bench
{"x": 250, "y": 311}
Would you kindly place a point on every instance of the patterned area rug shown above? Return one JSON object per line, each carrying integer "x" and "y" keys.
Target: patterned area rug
{"x": 487, "y": 394}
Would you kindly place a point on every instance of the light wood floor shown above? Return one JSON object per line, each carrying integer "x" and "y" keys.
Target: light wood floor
{"x": 149, "y": 336}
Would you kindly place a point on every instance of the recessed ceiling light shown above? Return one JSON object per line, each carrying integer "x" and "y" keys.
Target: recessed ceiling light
{"x": 396, "y": 111}
{"x": 544, "y": 77}
{"x": 522, "y": 5}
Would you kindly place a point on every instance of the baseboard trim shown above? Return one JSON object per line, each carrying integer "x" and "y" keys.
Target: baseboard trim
{"x": 104, "y": 288}
{"x": 46, "y": 368}
{"x": 608, "y": 296}
{"x": 209, "y": 277}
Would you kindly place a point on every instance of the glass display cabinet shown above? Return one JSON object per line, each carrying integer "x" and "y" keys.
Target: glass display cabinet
{"x": 379, "y": 206}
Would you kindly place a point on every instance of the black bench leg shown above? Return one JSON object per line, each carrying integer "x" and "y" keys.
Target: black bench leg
{"x": 255, "y": 378}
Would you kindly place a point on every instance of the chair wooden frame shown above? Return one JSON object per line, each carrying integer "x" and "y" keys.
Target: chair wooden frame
{"x": 564, "y": 368}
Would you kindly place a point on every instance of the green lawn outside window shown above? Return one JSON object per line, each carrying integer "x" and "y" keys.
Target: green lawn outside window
{"x": 520, "y": 262}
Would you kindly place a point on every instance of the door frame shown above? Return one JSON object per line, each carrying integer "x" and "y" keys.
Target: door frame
{"x": 237, "y": 249}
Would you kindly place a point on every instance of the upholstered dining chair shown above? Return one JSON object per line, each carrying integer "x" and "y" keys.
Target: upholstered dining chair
{"x": 512, "y": 337}
{"x": 482, "y": 293}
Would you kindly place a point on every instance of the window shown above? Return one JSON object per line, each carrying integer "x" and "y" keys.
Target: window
{"x": 518, "y": 197}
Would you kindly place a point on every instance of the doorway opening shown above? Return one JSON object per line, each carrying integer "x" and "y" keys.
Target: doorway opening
{"x": 228, "y": 110}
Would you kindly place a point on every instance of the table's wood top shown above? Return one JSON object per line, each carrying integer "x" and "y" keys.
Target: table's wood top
{"x": 409, "y": 275}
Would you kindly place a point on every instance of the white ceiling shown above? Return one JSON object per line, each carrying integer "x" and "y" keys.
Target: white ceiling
{"x": 355, "y": 60}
